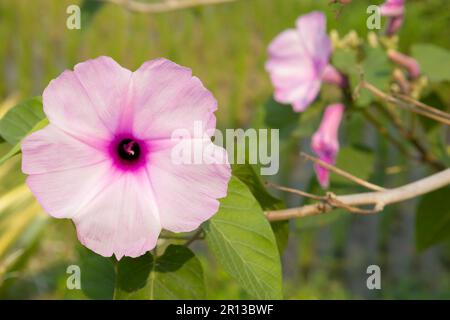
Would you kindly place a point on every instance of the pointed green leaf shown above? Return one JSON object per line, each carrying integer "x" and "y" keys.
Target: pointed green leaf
{"x": 98, "y": 276}
{"x": 21, "y": 119}
{"x": 16, "y": 149}
{"x": 434, "y": 61}
{"x": 241, "y": 239}
{"x": 433, "y": 218}
{"x": 177, "y": 274}
{"x": 247, "y": 174}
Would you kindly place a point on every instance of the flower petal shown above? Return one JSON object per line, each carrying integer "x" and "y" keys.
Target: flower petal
{"x": 51, "y": 149}
{"x": 88, "y": 101}
{"x": 286, "y": 44}
{"x": 312, "y": 29}
{"x": 122, "y": 219}
{"x": 297, "y": 59}
{"x": 167, "y": 97}
{"x": 305, "y": 95}
{"x": 187, "y": 193}
{"x": 63, "y": 193}
{"x": 325, "y": 143}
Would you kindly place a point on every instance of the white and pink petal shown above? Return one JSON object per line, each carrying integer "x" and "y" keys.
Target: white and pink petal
{"x": 123, "y": 219}
{"x": 89, "y": 101}
{"x": 166, "y": 97}
{"x": 187, "y": 194}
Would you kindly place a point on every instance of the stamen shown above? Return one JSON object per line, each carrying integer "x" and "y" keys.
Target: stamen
{"x": 129, "y": 150}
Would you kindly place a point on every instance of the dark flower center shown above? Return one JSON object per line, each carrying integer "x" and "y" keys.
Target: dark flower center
{"x": 129, "y": 150}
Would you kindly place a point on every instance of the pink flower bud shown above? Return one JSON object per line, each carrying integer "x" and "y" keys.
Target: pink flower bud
{"x": 333, "y": 76}
{"x": 394, "y": 9}
{"x": 325, "y": 143}
{"x": 406, "y": 62}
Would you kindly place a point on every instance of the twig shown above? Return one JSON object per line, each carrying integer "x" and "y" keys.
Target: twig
{"x": 426, "y": 156}
{"x": 295, "y": 191}
{"x": 329, "y": 199}
{"x": 165, "y": 6}
{"x": 423, "y": 106}
{"x": 336, "y": 203}
{"x": 378, "y": 198}
{"x": 405, "y": 105}
{"x": 343, "y": 173}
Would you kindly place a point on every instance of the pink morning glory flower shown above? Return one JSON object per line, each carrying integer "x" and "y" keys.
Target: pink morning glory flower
{"x": 104, "y": 160}
{"x": 298, "y": 62}
{"x": 325, "y": 143}
{"x": 394, "y": 9}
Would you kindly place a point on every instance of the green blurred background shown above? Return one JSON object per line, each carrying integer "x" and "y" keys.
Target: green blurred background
{"x": 225, "y": 45}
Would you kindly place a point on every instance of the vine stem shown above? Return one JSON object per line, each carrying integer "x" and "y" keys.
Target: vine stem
{"x": 378, "y": 199}
{"x": 164, "y": 6}
{"x": 426, "y": 155}
{"x": 408, "y": 104}
{"x": 342, "y": 173}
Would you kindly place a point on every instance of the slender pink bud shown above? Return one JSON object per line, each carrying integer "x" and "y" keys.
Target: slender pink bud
{"x": 410, "y": 64}
{"x": 395, "y": 10}
{"x": 325, "y": 143}
{"x": 394, "y": 24}
{"x": 333, "y": 76}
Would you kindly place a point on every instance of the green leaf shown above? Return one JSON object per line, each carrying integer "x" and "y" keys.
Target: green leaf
{"x": 345, "y": 60}
{"x": 21, "y": 119}
{"x": 437, "y": 141}
{"x": 16, "y": 149}
{"x": 11, "y": 153}
{"x": 88, "y": 11}
{"x": 433, "y": 218}
{"x": 281, "y": 231}
{"x": 98, "y": 277}
{"x": 376, "y": 70}
{"x": 132, "y": 273}
{"x": 280, "y": 116}
{"x": 241, "y": 239}
{"x": 247, "y": 174}
{"x": 177, "y": 274}
{"x": 434, "y": 61}
{"x": 357, "y": 161}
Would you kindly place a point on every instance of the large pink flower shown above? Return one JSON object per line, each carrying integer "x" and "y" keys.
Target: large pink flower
{"x": 325, "y": 143}
{"x": 298, "y": 62}
{"x": 104, "y": 160}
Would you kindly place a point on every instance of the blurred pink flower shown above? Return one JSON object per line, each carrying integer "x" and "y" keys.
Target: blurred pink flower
{"x": 394, "y": 9}
{"x": 298, "y": 62}
{"x": 104, "y": 160}
{"x": 325, "y": 143}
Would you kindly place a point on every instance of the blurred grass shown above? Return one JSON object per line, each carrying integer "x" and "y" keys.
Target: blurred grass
{"x": 225, "y": 45}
